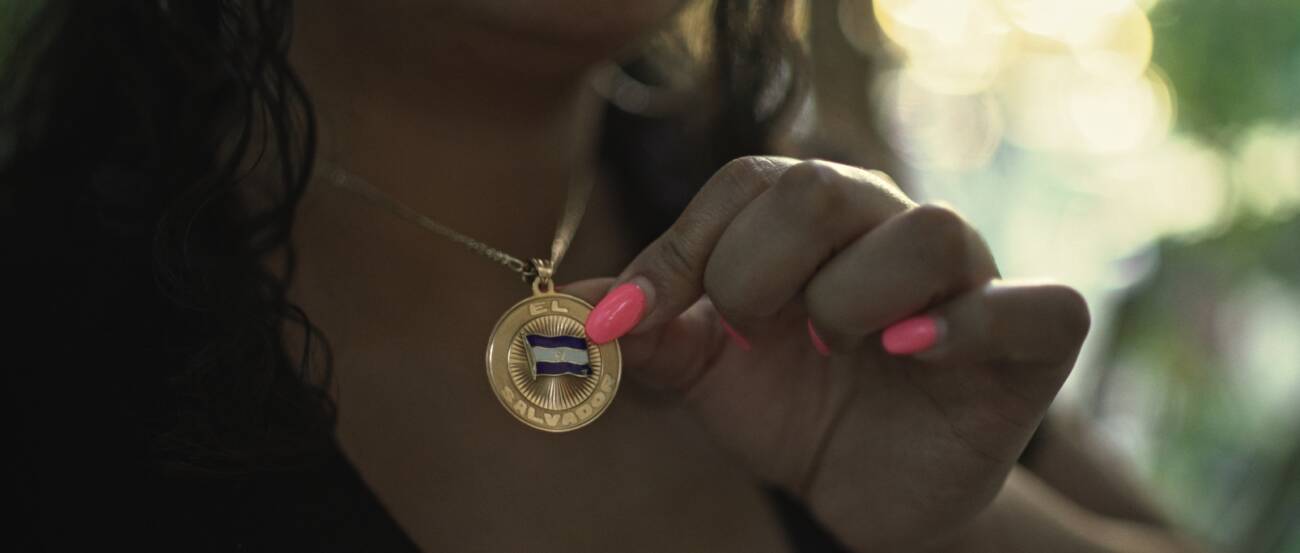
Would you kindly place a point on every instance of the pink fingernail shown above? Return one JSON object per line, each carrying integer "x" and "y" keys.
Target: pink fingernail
{"x": 817, "y": 342}
{"x": 910, "y": 336}
{"x": 735, "y": 336}
{"x": 616, "y": 314}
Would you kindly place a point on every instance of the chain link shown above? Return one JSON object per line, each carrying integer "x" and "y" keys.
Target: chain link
{"x": 575, "y": 205}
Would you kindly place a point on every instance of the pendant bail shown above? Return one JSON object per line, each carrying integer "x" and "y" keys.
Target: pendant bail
{"x": 543, "y": 283}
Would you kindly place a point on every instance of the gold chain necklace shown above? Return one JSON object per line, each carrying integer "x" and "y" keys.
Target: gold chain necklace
{"x": 540, "y": 364}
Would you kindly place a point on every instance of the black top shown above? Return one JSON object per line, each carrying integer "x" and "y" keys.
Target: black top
{"x": 86, "y": 486}
{"x": 84, "y": 481}
{"x": 85, "y": 472}
{"x": 84, "y": 476}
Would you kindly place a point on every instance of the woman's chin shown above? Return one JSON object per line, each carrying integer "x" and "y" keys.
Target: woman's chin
{"x": 591, "y": 23}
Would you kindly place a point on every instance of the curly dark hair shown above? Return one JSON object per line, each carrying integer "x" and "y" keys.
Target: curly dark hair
{"x": 150, "y": 294}
{"x": 130, "y": 125}
{"x": 126, "y": 134}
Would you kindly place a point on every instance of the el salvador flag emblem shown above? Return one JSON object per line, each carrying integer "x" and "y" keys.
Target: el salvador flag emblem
{"x": 558, "y": 355}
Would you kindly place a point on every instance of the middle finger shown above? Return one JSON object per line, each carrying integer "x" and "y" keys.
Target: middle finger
{"x": 775, "y": 244}
{"x": 909, "y": 263}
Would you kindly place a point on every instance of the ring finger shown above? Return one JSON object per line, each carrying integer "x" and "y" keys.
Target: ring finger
{"x": 775, "y": 244}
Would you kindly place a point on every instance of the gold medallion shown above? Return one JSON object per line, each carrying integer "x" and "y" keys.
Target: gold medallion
{"x": 539, "y": 362}
{"x": 542, "y": 367}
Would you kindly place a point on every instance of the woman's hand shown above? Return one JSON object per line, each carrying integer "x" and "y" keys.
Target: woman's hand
{"x": 873, "y": 364}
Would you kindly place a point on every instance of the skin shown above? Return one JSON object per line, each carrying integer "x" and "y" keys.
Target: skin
{"x": 476, "y": 114}
{"x": 916, "y": 444}
{"x": 465, "y": 144}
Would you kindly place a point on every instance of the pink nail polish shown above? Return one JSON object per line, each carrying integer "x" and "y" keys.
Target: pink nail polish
{"x": 736, "y": 337}
{"x": 910, "y": 336}
{"x": 817, "y": 342}
{"x": 616, "y": 314}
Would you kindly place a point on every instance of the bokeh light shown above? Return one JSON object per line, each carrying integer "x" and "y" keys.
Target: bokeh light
{"x": 1064, "y": 20}
{"x": 953, "y": 46}
{"x": 937, "y": 130}
{"x": 1266, "y": 171}
{"x": 1123, "y": 116}
{"x": 1053, "y": 127}
{"x": 1068, "y": 75}
{"x": 1118, "y": 49}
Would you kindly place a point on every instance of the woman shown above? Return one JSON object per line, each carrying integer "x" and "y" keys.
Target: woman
{"x": 194, "y": 303}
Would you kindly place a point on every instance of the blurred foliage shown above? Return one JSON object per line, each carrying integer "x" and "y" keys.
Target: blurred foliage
{"x": 1235, "y": 63}
{"x": 1206, "y": 346}
{"x": 1207, "y": 349}
{"x": 1047, "y": 124}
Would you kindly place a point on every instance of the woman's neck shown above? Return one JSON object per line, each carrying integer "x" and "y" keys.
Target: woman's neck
{"x": 468, "y": 126}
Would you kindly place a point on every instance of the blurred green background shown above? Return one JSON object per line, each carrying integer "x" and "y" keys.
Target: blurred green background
{"x": 1148, "y": 153}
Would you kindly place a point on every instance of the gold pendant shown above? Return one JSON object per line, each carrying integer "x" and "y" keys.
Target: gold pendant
{"x": 542, "y": 367}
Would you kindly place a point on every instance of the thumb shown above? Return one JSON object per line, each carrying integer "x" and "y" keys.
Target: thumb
{"x": 667, "y": 278}
{"x": 695, "y": 335}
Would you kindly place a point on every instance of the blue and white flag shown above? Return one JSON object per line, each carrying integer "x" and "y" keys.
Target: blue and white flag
{"x": 558, "y": 355}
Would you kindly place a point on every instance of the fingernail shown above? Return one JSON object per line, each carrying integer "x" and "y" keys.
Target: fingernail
{"x": 817, "y": 342}
{"x": 910, "y": 336}
{"x": 736, "y": 337}
{"x": 616, "y": 314}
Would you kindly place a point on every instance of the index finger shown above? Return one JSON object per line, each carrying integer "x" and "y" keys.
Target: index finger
{"x": 670, "y": 272}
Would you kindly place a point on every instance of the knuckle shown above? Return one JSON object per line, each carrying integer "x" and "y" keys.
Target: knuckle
{"x": 882, "y": 179}
{"x": 943, "y": 235}
{"x": 742, "y": 168}
{"x": 742, "y": 178}
{"x": 812, "y": 170}
{"x": 886, "y": 185}
{"x": 674, "y": 259}
{"x": 815, "y": 190}
{"x": 939, "y": 221}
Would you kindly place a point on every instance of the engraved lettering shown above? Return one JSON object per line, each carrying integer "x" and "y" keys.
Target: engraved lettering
{"x": 532, "y": 416}
{"x": 536, "y": 308}
{"x": 607, "y": 385}
{"x": 583, "y": 411}
{"x": 521, "y": 407}
{"x": 598, "y": 399}
{"x": 508, "y": 394}
{"x": 568, "y": 419}
{"x": 555, "y": 306}
{"x": 551, "y": 420}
